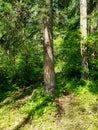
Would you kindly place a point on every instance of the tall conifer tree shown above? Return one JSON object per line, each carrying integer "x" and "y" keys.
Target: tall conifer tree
{"x": 49, "y": 74}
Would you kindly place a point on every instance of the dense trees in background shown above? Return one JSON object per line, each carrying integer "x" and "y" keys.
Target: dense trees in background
{"x": 29, "y": 30}
{"x": 20, "y": 45}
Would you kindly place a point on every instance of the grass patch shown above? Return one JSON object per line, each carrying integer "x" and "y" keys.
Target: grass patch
{"x": 74, "y": 108}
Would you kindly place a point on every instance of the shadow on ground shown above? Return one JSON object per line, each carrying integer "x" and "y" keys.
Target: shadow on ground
{"x": 39, "y": 103}
{"x": 17, "y": 96}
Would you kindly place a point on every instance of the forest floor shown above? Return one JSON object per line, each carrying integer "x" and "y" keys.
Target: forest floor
{"x": 30, "y": 109}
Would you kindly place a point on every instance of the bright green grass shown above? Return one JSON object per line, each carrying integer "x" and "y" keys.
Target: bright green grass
{"x": 32, "y": 110}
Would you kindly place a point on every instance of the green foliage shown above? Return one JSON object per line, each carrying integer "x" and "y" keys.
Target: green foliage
{"x": 21, "y": 68}
{"x": 20, "y": 47}
{"x": 92, "y": 54}
{"x": 68, "y": 54}
{"x": 7, "y": 16}
{"x": 40, "y": 107}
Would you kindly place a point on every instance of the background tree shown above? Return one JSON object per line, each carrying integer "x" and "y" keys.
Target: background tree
{"x": 83, "y": 30}
{"x": 92, "y": 37}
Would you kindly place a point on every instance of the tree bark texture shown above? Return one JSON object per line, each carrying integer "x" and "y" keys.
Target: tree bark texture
{"x": 83, "y": 30}
{"x": 49, "y": 73}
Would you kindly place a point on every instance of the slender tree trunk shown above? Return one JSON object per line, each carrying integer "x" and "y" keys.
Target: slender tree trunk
{"x": 93, "y": 28}
{"x": 49, "y": 74}
{"x": 93, "y": 8}
{"x": 83, "y": 29}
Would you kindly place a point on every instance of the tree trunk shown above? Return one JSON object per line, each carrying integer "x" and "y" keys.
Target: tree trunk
{"x": 83, "y": 30}
{"x": 49, "y": 74}
{"x": 93, "y": 28}
{"x": 92, "y": 11}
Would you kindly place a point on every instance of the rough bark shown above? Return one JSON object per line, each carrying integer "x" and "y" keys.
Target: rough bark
{"x": 83, "y": 30}
{"x": 49, "y": 73}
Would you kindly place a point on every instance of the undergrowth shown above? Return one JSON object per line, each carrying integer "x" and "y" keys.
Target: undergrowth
{"x": 31, "y": 109}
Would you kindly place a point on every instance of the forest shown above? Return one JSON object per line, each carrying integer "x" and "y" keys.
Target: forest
{"x": 48, "y": 64}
